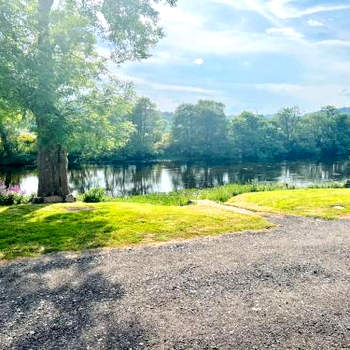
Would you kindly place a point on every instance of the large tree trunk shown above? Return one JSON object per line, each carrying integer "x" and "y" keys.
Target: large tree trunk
{"x": 53, "y": 180}
{"x": 52, "y": 161}
{"x": 52, "y": 157}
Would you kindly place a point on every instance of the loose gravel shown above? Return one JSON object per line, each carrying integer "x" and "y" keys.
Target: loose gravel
{"x": 286, "y": 288}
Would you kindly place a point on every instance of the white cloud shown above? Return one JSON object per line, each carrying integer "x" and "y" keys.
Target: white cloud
{"x": 198, "y": 61}
{"x": 167, "y": 87}
{"x": 176, "y": 17}
{"x": 193, "y": 34}
{"x": 225, "y": 42}
{"x": 333, "y": 42}
{"x": 314, "y": 23}
{"x": 251, "y": 5}
{"x": 311, "y": 95}
{"x": 345, "y": 92}
{"x": 282, "y": 9}
{"x": 287, "y": 31}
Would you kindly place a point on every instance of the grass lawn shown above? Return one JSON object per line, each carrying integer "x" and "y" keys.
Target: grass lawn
{"x": 30, "y": 230}
{"x": 305, "y": 202}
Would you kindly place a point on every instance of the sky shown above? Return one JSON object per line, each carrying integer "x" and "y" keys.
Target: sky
{"x": 256, "y": 55}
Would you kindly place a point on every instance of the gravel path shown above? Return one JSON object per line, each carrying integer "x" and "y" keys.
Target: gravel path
{"x": 287, "y": 288}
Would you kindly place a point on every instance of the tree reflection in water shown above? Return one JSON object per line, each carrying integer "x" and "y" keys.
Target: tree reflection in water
{"x": 142, "y": 178}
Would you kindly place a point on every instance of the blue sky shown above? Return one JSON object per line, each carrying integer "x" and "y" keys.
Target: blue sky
{"x": 257, "y": 55}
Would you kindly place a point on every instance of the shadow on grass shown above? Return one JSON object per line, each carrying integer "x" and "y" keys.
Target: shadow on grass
{"x": 25, "y": 231}
{"x": 64, "y": 303}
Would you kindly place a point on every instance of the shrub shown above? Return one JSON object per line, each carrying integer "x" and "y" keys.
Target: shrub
{"x": 94, "y": 195}
{"x": 12, "y": 195}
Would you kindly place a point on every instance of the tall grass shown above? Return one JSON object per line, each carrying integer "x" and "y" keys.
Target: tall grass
{"x": 217, "y": 194}
{"x": 185, "y": 197}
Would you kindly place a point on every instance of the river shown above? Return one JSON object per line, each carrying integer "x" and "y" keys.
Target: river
{"x": 141, "y": 178}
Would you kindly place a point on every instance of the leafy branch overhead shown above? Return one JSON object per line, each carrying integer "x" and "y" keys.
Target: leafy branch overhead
{"x": 52, "y": 54}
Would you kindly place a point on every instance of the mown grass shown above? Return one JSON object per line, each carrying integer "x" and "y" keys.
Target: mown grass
{"x": 30, "y": 230}
{"x": 327, "y": 203}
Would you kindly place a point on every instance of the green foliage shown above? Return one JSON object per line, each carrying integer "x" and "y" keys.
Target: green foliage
{"x": 126, "y": 128}
{"x": 253, "y": 137}
{"x": 148, "y": 128}
{"x": 55, "y": 82}
{"x": 248, "y": 136}
{"x": 10, "y": 123}
{"x": 329, "y": 185}
{"x": 100, "y": 120}
{"x": 12, "y": 195}
{"x": 200, "y": 130}
{"x": 95, "y": 195}
{"x": 218, "y": 194}
{"x": 179, "y": 198}
{"x": 187, "y": 196}
{"x": 11, "y": 198}
{"x": 328, "y": 132}
{"x": 289, "y": 124}
{"x": 51, "y": 67}
{"x": 223, "y": 193}
{"x": 27, "y": 143}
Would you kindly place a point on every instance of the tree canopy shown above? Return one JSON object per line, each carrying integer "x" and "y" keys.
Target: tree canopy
{"x": 51, "y": 58}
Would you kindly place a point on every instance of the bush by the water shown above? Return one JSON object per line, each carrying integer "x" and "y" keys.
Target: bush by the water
{"x": 94, "y": 195}
{"x": 12, "y": 195}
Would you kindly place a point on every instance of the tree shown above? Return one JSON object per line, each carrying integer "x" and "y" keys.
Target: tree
{"x": 9, "y": 121}
{"x": 17, "y": 143}
{"x": 328, "y": 132}
{"x": 200, "y": 130}
{"x": 148, "y": 127}
{"x": 99, "y": 120}
{"x": 253, "y": 137}
{"x": 49, "y": 55}
{"x": 183, "y": 131}
{"x": 288, "y": 121}
{"x": 212, "y": 128}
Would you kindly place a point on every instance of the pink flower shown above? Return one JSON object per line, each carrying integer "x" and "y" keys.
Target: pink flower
{"x": 16, "y": 189}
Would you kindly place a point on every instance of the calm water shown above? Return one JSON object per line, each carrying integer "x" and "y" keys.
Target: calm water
{"x": 127, "y": 179}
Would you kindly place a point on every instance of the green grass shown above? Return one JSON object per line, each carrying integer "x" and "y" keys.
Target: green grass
{"x": 218, "y": 194}
{"x": 305, "y": 202}
{"x": 30, "y": 230}
{"x": 184, "y": 197}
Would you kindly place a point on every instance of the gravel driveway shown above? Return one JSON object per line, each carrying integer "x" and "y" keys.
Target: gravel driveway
{"x": 287, "y": 288}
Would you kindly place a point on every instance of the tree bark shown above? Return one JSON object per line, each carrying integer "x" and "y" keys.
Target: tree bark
{"x": 53, "y": 164}
{"x": 52, "y": 157}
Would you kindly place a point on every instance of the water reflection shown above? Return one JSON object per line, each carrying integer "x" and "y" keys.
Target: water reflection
{"x": 129, "y": 179}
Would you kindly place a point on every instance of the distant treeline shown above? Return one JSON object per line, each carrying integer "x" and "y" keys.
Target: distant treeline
{"x": 202, "y": 131}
